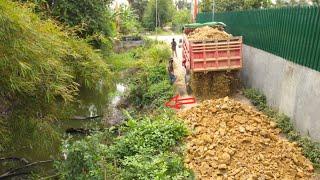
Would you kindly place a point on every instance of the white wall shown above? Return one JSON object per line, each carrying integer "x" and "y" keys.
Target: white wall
{"x": 291, "y": 88}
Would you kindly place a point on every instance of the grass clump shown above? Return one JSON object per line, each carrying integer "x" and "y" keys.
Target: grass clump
{"x": 310, "y": 148}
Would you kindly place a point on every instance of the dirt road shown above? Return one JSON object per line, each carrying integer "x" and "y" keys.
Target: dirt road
{"x": 179, "y": 70}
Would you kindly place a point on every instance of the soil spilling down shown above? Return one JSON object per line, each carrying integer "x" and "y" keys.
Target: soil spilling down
{"x": 206, "y": 33}
{"x": 230, "y": 140}
{"x": 214, "y": 84}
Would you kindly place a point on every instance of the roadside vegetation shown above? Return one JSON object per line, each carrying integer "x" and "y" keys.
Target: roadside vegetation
{"x": 311, "y": 149}
{"x": 49, "y": 56}
{"x": 149, "y": 144}
{"x": 148, "y": 148}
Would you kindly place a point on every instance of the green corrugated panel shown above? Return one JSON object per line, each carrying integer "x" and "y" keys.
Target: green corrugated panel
{"x": 316, "y": 44}
{"x": 292, "y": 32}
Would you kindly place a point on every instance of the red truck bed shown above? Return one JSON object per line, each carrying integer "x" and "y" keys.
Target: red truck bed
{"x": 212, "y": 55}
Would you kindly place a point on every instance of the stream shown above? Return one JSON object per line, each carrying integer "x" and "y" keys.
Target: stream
{"x": 105, "y": 112}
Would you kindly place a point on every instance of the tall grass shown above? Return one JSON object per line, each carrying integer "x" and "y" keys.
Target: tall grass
{"x": 42, "y": 68}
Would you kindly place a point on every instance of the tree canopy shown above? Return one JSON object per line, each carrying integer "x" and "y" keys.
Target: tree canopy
{"x": 165, "y": 13}
{"x": 232, "y": 5}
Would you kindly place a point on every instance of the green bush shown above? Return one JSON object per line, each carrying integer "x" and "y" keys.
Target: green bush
{"x": 128, "y": 21}
{"x": 150, "y": 88}
{"x": 148, "y": 136}
{"x": 85, "y": 158}
{"x": 158, "y": 53}
{"x": 146, "y": 150}
{"x": 161, "y": 166}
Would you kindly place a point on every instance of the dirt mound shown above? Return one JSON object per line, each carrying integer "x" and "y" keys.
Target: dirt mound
{"x": 214, "y": 84}
{"x": 230, "y": 140}
{"x": 206, "y": 32}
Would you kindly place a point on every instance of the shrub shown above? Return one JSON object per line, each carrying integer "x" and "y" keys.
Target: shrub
{"x": 146, "y": 150}
{"x": 150, "y": 88}
{"x": 41, "y": 63}
{"x": 85, "y": 158}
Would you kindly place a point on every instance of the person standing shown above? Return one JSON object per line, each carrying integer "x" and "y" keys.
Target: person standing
{"x": 171, "y": 72}
{"x": 174, "y": 47}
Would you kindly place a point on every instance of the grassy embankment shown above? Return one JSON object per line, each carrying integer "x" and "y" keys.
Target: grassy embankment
{"x": 43, "y": 66}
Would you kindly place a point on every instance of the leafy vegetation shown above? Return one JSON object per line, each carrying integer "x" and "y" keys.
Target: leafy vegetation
{"x": 139, "y": 7}
{"x": 180, "y": 18}
{"x": 88, "y": 19}
{"x": 147, "y": 149}
{"x": 42, "y": 68}
{"x": 311, "y": 149}
{"x": 128, "y": 21}
{"x": 233, "y": 5}
{"x": 150, "y": 86}
{"x": 165, "y": 13}
{"x": 150, "y": 147}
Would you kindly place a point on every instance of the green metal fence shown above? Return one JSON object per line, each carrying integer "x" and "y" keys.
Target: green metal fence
{"x": 292, "y": 33}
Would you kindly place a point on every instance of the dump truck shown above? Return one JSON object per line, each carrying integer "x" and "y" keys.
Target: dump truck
{"x": 210, "y": 59}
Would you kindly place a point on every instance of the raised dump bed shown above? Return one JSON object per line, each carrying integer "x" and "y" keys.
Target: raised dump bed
{"x": 212, "y": 55}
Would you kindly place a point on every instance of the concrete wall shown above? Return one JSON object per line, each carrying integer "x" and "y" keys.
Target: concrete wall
{"x": 291, "y": 88}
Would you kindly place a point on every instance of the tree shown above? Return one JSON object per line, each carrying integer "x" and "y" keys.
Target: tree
{"x": 165, "y": 12}
{"x": 183, "y": 4}
{"x": 180, "y": 18}
{"x": 89, "y": 19}
{"x": 93, "y": 16}
{"x": 139, "y": 7}
{"x": 233, "y": 5}
{"x": 127, "y": 21}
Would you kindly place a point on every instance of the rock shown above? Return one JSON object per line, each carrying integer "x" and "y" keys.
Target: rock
{"x": 224, "y": 106}
{"x": 225, "y": 158}
{"x": 238, "y": 142}
{"x": 273, "y": 124}
{"x": 242, "y": 129}
{"x": 222, "y": 166}
{"x": 300, "y": 174}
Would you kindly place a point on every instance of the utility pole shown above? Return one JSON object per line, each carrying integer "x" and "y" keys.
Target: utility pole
{"x": 156, "y": 20}
{"x": 212, "y": 10}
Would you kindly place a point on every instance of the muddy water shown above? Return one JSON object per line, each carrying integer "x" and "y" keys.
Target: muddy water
{"x": 104, "y": 106}
{"x": 114, "y": 114}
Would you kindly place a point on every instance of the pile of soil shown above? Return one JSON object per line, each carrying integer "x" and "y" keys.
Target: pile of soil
{"x": 214, "y": 84}
{"x": 230, "y": 140}
{"x": 206, "y": 33}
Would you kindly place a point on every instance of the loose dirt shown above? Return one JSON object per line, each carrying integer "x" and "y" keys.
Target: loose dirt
{"x": 207, "y": 33}
{"x": 230, "y": 140}
{"x": 214, "y": 84}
